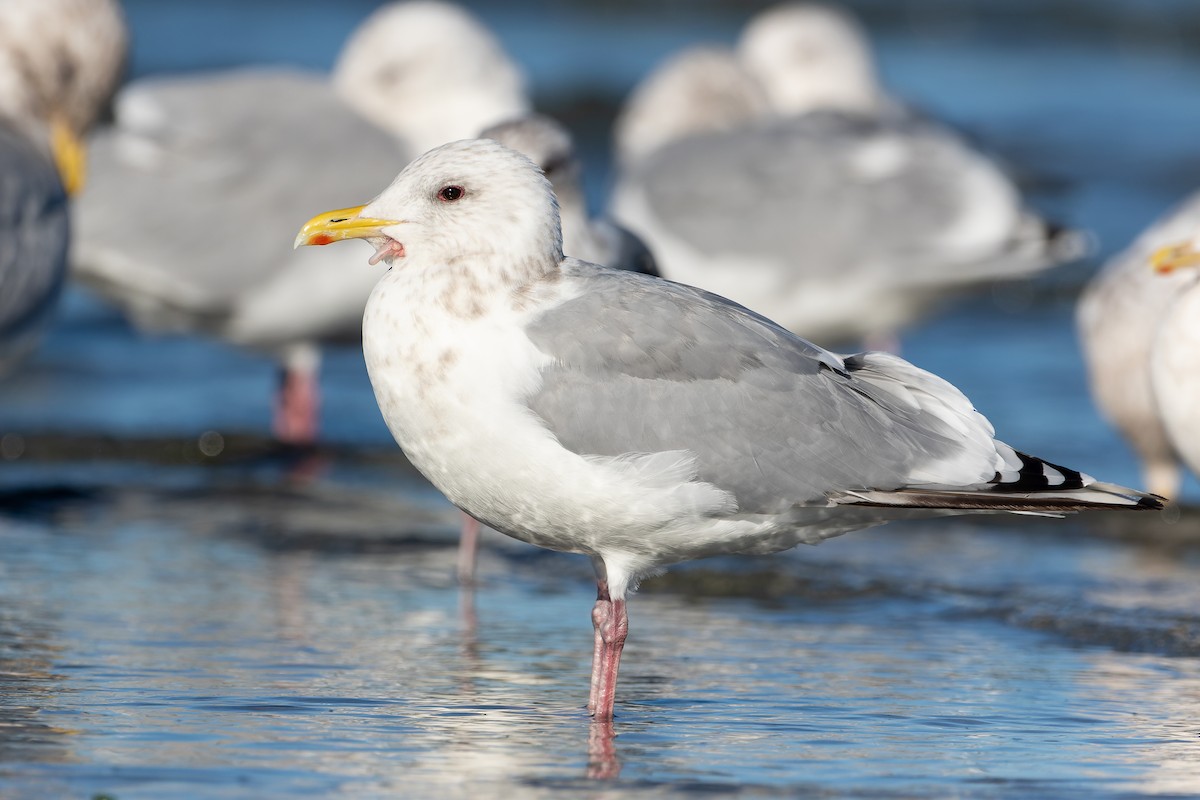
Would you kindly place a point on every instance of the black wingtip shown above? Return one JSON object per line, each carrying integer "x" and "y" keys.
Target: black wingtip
{"x": 1151, "y": 502}
{"x": 1032, "y": 477}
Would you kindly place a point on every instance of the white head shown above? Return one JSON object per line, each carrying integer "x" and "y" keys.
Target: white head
{"x": 429, "y": 73}
{"x": 810, "y": 57}
{"x": 470, "y": 201}
{"x": 699, "y": 90}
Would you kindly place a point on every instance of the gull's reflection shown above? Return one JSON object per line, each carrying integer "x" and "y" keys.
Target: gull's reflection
{"x": 603, "y": 763}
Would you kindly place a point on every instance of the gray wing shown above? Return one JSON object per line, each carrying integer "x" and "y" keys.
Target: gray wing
{"x": 840, "y": 192}
{"x": 33, "y": 242}
{"x": 193, "y": 200}
{"x": 771, "y": 418}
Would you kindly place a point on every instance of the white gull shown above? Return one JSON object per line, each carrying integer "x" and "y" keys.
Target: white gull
{"x": 190, "y": 153}
{"x": 1118, "y": 317}
{"x": 1175, "y": 349}
{"x": 637, "y": 421}
{"x": 60, "y": 61}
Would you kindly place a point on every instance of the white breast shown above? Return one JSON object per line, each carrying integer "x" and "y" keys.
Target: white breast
{"x": 452, "y": 391}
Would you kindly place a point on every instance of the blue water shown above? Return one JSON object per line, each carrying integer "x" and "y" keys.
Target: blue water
{"x": 173, "y": 625}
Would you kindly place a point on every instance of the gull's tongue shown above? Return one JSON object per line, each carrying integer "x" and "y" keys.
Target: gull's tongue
{"x": 388, "y": 249}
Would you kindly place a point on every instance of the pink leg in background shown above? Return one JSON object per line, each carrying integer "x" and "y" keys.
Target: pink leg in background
{"x": 298, "y": 403}
{"x": 468, "y": 548}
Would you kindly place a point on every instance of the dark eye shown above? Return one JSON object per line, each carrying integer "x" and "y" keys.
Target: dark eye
{"x": 449, "y": 194}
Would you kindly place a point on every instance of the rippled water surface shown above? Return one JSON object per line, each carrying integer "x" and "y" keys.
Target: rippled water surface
{"x": 190, "y": 616}
{"x": 153, "y": 646}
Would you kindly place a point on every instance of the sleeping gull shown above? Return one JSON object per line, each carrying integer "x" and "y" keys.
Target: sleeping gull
{"x": 1175, "y": 355}
{"x": 637, "y": 421}
{"x": 809, "y": 56}
{"x": 701, "y": 89}
{"x": 838, "y": 212}
{"x": 59, "y": 65}
{"x": 192, "y": 152}
{"x": 429, "y": 72}
{"x": 1118, "y": 318}
{"x": 790, "y": 59}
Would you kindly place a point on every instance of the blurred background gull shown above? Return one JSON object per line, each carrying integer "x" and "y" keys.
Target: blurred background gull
{"x": 203, "y": 176}
{"x": 55, "y": 81}
{"x": 831, "y": 209}
{"x": 1122, "y": 313}
{"x": 1175, "y": 355}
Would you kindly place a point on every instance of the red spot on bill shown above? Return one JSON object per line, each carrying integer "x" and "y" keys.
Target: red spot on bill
{"x": 321, "y": 238}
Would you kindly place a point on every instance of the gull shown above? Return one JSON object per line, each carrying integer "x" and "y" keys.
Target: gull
{"x": 637, "y": 421}
{"x": 1175, "y": 352}
{"x": 257, "y": 143}
{"x": 60, "y": 61}
{"x": 856, "y": 202}
{"x": 1119, "y": 317}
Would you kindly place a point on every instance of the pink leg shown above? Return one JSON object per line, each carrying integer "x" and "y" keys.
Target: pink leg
{"x": 611, "y": 622}
{"x": 296, "y": 407}
{"x": 468, "y": 548}
{"x": 598, "y": 647}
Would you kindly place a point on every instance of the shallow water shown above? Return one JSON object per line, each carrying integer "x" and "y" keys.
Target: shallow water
{"x": 155, "y": 643}
{"x": 188, "y": 614}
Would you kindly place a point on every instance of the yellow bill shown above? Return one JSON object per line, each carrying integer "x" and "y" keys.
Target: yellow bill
{"x": 70, "y": 157}
{"x": 342, "y": 223}
{"x": 1175, "y": 256}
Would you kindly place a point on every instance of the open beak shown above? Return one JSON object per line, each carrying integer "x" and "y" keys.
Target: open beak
{"x": 1175, "y": 256}
{"x": 69, "y": 154}
{"x": 344, "y": 223}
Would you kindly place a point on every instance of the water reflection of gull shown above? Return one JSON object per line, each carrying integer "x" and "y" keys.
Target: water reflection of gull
{"x": 834, "y": 211}
{"x": 189, "y": 154}
{"x": 637, "y": 421}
